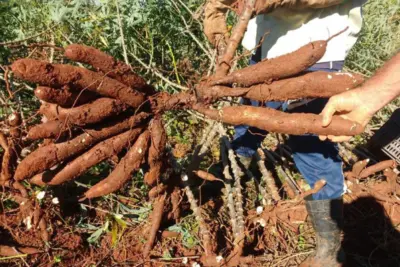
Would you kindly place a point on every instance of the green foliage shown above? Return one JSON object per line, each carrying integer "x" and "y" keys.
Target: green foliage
{"x": 379, "y": 38}
{"x": 188, "y": 227}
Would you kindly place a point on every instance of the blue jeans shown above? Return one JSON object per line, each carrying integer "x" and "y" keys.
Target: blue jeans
{"x": 314, "y": 159}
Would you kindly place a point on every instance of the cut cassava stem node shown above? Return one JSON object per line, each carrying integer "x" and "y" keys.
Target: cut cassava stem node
{"x": 317, "y": 84}
{"x": 90, "y": 113}
{"x": 64, "y": 97}
{"x": 45, "y": 157}
{"x": 100, "y": 152}
{"x": 277, "y": 68}
{"x": 122, "y": 172}
{"x": 281, "y": 122}
{"x": 108, "y": 65}
{"x": 59, "y": 75}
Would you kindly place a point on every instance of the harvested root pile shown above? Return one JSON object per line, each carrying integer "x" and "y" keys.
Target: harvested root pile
{"x": 109, "y": 112}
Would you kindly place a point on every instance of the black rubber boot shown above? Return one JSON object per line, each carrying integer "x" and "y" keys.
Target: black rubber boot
{"x": 327, "y": 219}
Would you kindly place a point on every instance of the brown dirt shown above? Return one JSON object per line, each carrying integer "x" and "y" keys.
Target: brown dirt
{"x": 277, "y": 68}
{"x": 90, "y": 113}
{"x": 46, "y": 157}
{"x": 64, "y": 97}
{"x": 281, "y": 122}
{"x": 108, "y": 65}
{"x": 122, "y": 172}
{"x": 59, "y": 75}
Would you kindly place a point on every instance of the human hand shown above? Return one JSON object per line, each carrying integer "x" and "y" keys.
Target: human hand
{"x": 354, "y": 105}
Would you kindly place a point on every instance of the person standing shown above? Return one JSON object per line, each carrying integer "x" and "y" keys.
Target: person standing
{"x": 292, "y": 24}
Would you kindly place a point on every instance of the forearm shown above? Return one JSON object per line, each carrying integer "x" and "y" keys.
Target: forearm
{"x": 384, "y": 86}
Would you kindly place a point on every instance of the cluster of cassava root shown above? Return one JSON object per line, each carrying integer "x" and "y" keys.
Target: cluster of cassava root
{"x": 93, "y": 115}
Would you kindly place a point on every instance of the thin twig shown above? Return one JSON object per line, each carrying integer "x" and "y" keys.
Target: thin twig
{"x": 224, "y": 64}
{"x": 122, "y": 34}
{"x": 27, "y": 38}
{"x": 197, "y": 41}
{"x": 159, "y": 75}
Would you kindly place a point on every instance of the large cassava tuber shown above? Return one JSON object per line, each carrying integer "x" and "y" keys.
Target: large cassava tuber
{"x": 122, "y": 172}
{"x": 47, "y": 156}
{"x": 317, "y": 84}
{"x": 95, "y": 155}
{"x": 277, "y": 121}
{"x": 107, "y": 65}
{"x": 64, "y": 97}
{"x": 156, "y": 151}
{"x": 59, "y": 75}
{"x": 49, "y": 129}
{"x": 280, "y": 67}
{"x": 90, "y": 113}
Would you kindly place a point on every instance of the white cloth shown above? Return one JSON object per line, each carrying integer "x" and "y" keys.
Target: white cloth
{"x": 291, "y": 29}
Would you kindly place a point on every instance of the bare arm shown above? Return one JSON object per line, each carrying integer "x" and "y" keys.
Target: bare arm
{"x": 361, "y": 104}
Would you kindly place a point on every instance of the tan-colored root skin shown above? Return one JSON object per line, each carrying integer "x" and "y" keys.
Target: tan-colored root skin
{"x": 156, "y": 155}
{"x": 156, "y": 218}
{"x": 100, "y": 152}
{"x": 122, "y": 172}
{"x": 207, "y": 176}
{"x": 7, "y": 251}
{"x": 158, "y": 141}
{"x": 59, "y": 75}
{"x": 90, "y": 113}
{"x": 377, "y": 168}
{"x": 46, "y": 157}
{"x": 277, "y": 68}
{"x": 152, "y": 177}
{"x": 49, "y": 129}
{"x": 164, "y": 101}
{"x": 107, "y": 65}
{"x": 317, "y": 84}
{"x": 64, "y": 97}
{"x": 11, "y": 146}
{"x": 280, "y": 122}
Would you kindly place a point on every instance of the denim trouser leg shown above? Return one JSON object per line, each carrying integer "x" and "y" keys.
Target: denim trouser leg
{"x": 314, "y": 159}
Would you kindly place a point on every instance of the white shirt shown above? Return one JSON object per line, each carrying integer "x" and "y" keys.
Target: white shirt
{"x": 291, "y": 29}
